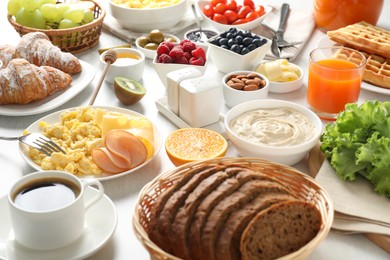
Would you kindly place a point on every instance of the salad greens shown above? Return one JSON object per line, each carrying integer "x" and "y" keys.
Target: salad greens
{"x": 358, "y": 142}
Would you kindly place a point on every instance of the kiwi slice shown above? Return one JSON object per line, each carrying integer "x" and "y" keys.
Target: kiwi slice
{"x": 128, "y": 91}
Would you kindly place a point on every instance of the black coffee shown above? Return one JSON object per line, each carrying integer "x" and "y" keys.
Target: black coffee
{"x": 46, "y": 194}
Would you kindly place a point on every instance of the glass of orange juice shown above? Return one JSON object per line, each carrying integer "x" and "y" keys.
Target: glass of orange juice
{"x": 335, "y": 76}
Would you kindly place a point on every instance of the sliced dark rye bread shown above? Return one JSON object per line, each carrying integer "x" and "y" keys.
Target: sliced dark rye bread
{"x": 193, "y": 237}
{"x": 220, "y": 213}
{"x": 228, "y": 242}
{"x": 279, "y": 230}
{"x": 176, "y": 200}
{"x": 183, "y": 217}
{"x": 160, "y": 201}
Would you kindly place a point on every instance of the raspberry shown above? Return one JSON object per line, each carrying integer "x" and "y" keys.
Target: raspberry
{"x": 197, "y": 61}
{"x": 181, "y": 60}
{"x": 164, "y": 58}
{"x": 170, "y": 45}
{"x": 162, "y": 48}
{"x": 176, "y": 53}
{"x": 187, "y": 55}
{"x": 199, "y": 52}
{"x": 189, "y": 46}
{"x": 182, "y": 42}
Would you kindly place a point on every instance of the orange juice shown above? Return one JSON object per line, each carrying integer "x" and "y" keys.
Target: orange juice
{"x": 334, "y": 14}
{"x": 332, "y": 84}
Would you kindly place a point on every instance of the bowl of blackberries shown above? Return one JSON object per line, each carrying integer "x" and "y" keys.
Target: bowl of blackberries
{"x": 236, "y": 49}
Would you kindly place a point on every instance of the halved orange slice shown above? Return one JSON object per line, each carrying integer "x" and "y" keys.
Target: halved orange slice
{"x": 193, "y": 144}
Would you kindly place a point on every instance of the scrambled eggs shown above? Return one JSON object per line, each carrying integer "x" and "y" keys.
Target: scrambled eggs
{"x": 145, "y": 3}
{"x": 78, "y": 134}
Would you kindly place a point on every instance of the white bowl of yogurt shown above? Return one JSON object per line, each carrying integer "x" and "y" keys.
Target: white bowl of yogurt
{"x": 275, "y": 130}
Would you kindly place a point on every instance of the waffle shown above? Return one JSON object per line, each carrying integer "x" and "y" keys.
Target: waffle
{"x": 377, "y": 70}
{"x": 363, "y": 36}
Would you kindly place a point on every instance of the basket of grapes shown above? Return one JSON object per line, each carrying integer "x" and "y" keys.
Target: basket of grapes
{"x": 73, "y": 26}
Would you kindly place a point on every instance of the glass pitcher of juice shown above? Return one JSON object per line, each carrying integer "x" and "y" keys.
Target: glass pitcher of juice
{"x": 334, "y": 14}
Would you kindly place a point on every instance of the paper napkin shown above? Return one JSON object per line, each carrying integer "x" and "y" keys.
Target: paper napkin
{"x": 358, "y": 207}
{"x": 111, "y": 25}
{"x": 299, "y": 27}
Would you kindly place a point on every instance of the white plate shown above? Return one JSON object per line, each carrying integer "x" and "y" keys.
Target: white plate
{"x": 325, "y": 42}
{"x": 79, "y": 83}
{"x": 55, "y": 117}
{"x": 101, "y": 221}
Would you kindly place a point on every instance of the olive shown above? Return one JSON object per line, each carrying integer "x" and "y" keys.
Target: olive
{"x": 156, "y": 36}
{"x": 151, "y": 46}
{"x": 143, "y": 41}
{"x": 170, "y": 39}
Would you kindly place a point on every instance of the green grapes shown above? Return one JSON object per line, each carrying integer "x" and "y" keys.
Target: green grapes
{"x": 47, "y": 14}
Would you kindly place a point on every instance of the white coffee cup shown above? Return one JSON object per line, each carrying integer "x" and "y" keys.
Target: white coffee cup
{"x": 44, "y": 213}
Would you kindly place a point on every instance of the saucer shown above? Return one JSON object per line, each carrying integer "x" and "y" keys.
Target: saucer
{"x": 101, "y": 221}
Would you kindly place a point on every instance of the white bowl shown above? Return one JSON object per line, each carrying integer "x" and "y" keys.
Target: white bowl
{"x": 163, "y": 69}
{"x": 234, "y": 97}
{"x": 151, "y": 53}
{"x": 245, "y": 26}
{"x": 228, "y": 61}
{"x": 133, "y": 70}
{"x": 147, "y": 19}
{"x": 288, "y": 154}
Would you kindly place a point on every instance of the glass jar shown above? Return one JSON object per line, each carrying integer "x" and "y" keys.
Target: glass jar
{"x": 334, "y": 14}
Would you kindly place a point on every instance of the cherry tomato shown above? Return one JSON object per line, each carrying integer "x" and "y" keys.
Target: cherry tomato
{"x": 252, "y": 16}
{"x": 244, "y": 11}
{"x": 249, "y": 3}
{"x": 231, "y": 16}
{"x": 220, "y": 8}
{"x": 239, "y": 21}
{"x": 260, "y": 10}
{"x": 219, "y": 18}
{"x": 208, "y": 10}
{"x": 231, "y": 5}
{"x": 215, "y": 2}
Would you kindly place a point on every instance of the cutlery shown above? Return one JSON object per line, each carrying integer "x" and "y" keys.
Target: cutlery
{"x": 274, "y": 47}
{"x": 285, "y": 11}
{"x": 37, "y": 141}
{"x": 203, "y": 37}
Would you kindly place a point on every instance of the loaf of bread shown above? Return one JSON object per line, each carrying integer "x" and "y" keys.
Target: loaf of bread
{"x": 213, "y": 212}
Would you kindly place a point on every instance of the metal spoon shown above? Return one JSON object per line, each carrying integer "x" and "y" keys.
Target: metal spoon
{"x": 202, "y": 36}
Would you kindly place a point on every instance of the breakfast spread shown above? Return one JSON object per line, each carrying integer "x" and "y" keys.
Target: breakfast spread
{"x": 273, "y": 126}
{"x": 279, "y": 70}
{"x": 225, "y": 211}
{"x": 22, "y": 82}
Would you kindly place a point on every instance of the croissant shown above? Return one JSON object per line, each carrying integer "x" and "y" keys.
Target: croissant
{"x": 37, "y": 48}
{"x": 6, "y": 53}
{"x": 22, "y": 82}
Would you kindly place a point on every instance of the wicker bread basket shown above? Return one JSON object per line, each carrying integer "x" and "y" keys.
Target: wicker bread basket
{"x": 72, "y": 40}
{"x": 300, "y": 184}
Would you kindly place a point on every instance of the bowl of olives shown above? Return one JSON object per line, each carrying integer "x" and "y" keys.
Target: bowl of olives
{"x": 240, "y": 49}
{"x": 148, "y": 43}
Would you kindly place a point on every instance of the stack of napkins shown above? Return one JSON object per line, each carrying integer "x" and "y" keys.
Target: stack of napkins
{"x": 299, "y": 27}
{"x": 358, "y": 208}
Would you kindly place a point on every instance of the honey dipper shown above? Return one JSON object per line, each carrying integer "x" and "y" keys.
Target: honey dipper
{"x": 109, "y": 58}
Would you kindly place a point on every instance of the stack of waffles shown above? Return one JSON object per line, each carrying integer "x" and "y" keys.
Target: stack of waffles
{"x": 374, "y": 43}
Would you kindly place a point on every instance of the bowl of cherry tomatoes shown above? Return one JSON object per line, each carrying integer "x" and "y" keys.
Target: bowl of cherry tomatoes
{"x": 241, "y": 14}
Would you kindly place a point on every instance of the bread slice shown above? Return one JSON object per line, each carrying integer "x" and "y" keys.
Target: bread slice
{"x": 365, "y": 37}
{"x": 177, "y": 229}
{"x": 279, "y": 230}
{"x": 228, "y": 242}
{"x": 193, "y": 237}
{"x": 220, "y": 213}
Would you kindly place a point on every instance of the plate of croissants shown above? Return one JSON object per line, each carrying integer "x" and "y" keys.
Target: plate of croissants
{"x": 36, "y": 76}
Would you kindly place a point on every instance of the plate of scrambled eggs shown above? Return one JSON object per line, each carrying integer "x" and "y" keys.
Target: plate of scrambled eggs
{"x": 80, "y": 131}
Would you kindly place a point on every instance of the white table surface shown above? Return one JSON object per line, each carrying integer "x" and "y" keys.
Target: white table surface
{"x": 123, "y": 191}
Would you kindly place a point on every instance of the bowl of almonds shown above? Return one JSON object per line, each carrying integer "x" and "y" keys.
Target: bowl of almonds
{"x": 242, "y": 86}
